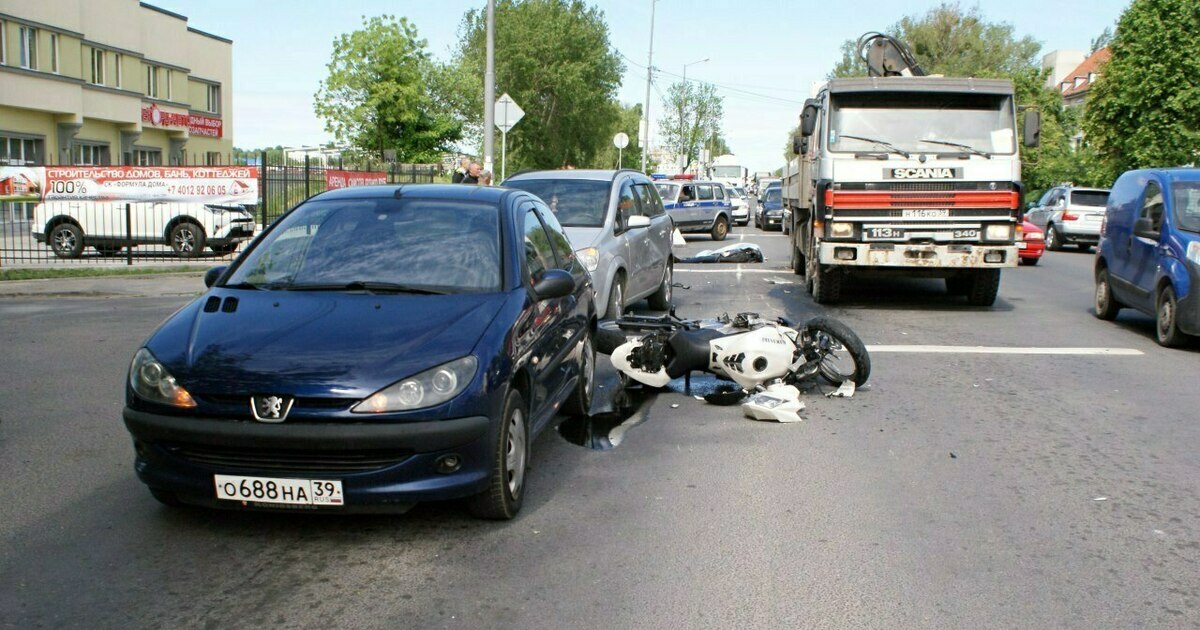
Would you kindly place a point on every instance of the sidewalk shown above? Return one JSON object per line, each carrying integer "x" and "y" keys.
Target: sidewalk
{"x": 153, "y": 285}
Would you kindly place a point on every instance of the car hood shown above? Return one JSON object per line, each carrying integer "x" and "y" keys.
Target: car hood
{"x": 317, "y": 343}
{"x": 582, "y": 237}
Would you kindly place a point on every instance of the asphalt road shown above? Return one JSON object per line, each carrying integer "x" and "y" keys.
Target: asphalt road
{"x": 956, "y": 490}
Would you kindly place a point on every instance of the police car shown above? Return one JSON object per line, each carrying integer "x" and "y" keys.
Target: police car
{"x": 697, "y": 206}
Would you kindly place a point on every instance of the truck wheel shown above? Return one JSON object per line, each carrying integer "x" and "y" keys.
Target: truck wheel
{"x": 1166, "y": 326}
{"x": 826, "y": 286}
{"x": 985, "y": 284}
{"x": 797, "y": 262}
{"x": 66, "y": 240}
{"x": 720, "y": 228}
{"x": 958, "y": 285}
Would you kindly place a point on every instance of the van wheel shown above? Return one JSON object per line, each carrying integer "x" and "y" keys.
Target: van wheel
{"x": 1107, "y": 306}
{"x": 720, "y": 229}
{"x": 66, "y": 239}
{"x": 506, "y": 482}
{"x": 187, "y": 239}
{"x": 1166, "y": 326}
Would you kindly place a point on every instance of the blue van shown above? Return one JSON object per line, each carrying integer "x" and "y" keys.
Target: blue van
{"x": 1149, "y": 253}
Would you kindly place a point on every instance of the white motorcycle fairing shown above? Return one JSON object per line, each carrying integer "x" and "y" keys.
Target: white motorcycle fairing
{"x": 753, "y": 357}
{"x": 620, "y": 360}
{"x": 778, "y": 402}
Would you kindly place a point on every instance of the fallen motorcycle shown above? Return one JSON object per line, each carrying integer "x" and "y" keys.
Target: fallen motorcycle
{"x": 766, "y": 358}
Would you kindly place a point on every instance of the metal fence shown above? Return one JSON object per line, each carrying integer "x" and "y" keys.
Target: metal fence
{"x": 72, "y": 233}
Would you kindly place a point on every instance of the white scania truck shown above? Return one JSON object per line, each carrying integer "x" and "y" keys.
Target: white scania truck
{"x": 900, "y": 173}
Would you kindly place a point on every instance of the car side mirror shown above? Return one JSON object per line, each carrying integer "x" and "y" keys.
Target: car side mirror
{"x": 1032, "y": 129}
{"x": 637, "y": 221}
{"x": 1144, "y": 228}
{"x": 212, "y": 275}
{"x": 555, "y": 283}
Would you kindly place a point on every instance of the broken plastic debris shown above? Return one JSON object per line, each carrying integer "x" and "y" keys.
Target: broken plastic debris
{"x": 777, "y": 281}
{"x": 845, "y": 390}
{"x": 1100, "y": 499}
{"x": 675, "y": 406}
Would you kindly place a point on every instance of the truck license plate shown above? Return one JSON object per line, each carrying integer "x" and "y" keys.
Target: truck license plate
{"x": 326, "y": 492}
{"x": 885, "y": 232}
{"x": 925, "y": 213}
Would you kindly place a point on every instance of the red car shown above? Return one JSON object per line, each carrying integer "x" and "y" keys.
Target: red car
{"x": 1031, "y": 243}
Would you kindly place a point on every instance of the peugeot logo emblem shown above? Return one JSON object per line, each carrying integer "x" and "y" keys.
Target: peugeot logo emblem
{"x": 270, "y": 408}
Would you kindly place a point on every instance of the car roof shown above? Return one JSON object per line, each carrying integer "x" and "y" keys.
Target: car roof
{"x": 573, "y": 173}
{"x": 1181, "y": 173}
{"x": 485, "y": 194}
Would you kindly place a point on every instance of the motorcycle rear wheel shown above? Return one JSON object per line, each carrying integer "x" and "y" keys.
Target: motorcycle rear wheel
{"x": 845, "y": 356}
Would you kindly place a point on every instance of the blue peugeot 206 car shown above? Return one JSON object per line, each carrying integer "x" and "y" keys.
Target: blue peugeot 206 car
{"x": 375, "y": 347}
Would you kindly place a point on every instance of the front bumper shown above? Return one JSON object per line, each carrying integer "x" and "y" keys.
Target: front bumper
{"x": 1031, "y": 249}
{"x": 917, "y": 255}
{"x": 386, "y": 466}
{"x": 233, "y": 233}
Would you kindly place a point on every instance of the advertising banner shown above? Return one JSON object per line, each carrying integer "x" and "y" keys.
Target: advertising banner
{"x": 209, "y": 184}
{"x": 196, "y": 124}
{"x": 343, "y": 179}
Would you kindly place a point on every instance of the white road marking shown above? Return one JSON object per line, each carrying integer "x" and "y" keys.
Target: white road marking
{"x": 739, "y": 270}
{"x": 1119, "y": 352}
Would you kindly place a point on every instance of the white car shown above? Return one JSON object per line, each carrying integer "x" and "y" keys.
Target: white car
{"x": 741, "y": 205}
{"x": 69, "y": 226}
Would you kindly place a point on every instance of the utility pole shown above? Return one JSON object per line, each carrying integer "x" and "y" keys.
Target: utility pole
{"x": 489, "y": 90}
{"x": 683, "y": 110}
{"x": 645, "y": 131}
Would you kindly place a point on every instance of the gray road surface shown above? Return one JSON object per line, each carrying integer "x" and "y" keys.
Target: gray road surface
{"x": 957, "y": 490}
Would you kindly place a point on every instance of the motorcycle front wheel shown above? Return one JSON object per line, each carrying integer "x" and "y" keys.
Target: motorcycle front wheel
{"x": 843, "y": 355}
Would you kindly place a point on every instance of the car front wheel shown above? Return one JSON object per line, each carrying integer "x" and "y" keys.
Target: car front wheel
{"x": 506, "y": 483}
{"x": 66, "y": 240}
{"x": 187, "y": 239}
{"x": 720, "y": 229}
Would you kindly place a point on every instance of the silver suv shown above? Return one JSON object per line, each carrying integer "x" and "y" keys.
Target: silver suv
{"x": 619, "y": 228}
{"x": 1070, "y": 215}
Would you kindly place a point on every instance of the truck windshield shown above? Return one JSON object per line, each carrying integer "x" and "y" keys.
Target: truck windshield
{"x": 727, "y": 171}
{"x": 912, "y": 121}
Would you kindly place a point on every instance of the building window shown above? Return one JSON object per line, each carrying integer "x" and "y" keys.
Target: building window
{"x": 3, "y": 41}
{"x": 119, "y": 60}
{"x": 90, "y": 154}
{"x": 97, "y": 66}
{"x": 29, "y": 47}
{"x": 21, "y": 151}
{"x": 147, "y": 157}
{"x": 214, "y": 99}
{"x": 152, "y": 81}
{"x": 170, "y": 81}
{"x": 54, "y": 53}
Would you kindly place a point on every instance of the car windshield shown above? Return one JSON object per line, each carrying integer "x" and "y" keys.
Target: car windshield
{"x": 727, "y": 171}
{"x": 922, "y": 122}
{"x": 1186, "y": 198}
{"x": 774, "y": 195}
{"x": 575, "y": 202}
{"x": 740, "y": 192}
{"x": 1096, "y": 198}
{"x": 667, "y": 191}
{"x": 393, "y": 245}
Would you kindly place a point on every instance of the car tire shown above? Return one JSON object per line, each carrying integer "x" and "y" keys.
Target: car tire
{"x": 506, "y": 481}
{"x": 720, "y": 228}
{"x": 66, "y": 239}
{"x": 1106, "y": 305}
{"x": 985, "y": 284}
{"x": 660, "y": 300}
{"x": 1053, "y": 240}
{"x": 187, "y": 239}
{"x": 1028, "y": 262}
{"x": 580, "y": 401}
{"x": 616, "y": 298}
{"x": 166, "y": 497}
{"x": 1166, "y": 320}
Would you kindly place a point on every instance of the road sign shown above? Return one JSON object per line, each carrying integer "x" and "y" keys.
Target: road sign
{"x": 621, "y": 140}
{"x": 508, "y": 113}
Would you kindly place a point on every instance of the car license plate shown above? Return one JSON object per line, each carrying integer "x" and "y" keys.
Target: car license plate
{"x": 925, "y": 213}
{"x": 884, "y": 232}
{"x": 326, "y": 492}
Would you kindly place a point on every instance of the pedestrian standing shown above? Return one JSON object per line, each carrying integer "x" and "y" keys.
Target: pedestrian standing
{"x": 461, "y": 171}
{"x": 472, "y": 176}
{"x": 485, "y": 178}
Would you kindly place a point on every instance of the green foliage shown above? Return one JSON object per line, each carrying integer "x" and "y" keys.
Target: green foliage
{"x": 631, "y": 156}
{"x": 692, "y": 113}
{"x": 380, "y": 93}
{"x": 555, "y": 59}
{"x": 1144, "y": 110}
{"x": 1103, "y": 39}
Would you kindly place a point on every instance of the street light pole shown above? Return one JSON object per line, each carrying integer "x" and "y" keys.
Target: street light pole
{"x": 683, "y": 109}
{"x": 645, "y": 132}
{"x": 489, "y": 90}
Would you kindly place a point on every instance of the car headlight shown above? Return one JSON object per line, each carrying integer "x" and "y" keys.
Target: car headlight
{"x": 1193, "y": 252}
{"x": 998, "y": 232}
{"x": 590, "y": 257}
{"x": 841, "y": 229}
{"x": 431, "y": 387}
{"x": 1034, "y": 236}
{"x": 151, "y": 381}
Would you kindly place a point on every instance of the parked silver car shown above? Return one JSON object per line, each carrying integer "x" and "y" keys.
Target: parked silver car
{"x": 619, "y": 229}
{"x": 1070, "y": 215}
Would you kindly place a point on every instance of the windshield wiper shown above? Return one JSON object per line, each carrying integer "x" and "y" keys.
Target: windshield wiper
{"x": 961, "y": 146}
{"x": 888, "y": 145}
{"x": 370, "y": 287}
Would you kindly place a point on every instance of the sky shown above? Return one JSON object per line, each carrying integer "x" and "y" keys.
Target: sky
{"x": 763, "y": 55}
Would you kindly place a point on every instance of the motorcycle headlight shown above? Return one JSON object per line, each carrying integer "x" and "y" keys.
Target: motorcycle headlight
{"x": 151, "y": 381}
{"x": 590, "y": 257}
{"x": 841, "y": 229}
{"x": 998, "y": 232}
{"x": 431, "y": 387}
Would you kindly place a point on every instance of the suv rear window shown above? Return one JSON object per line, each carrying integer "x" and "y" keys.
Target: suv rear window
{"x": 1097, "y": 198}
{"x": 574, "y": 202}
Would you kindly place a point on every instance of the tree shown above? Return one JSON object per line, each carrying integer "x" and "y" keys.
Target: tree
{"x": 1103, "y": 39}
{"x": 1144, "y": 110}
{"x": 628, "y": 121}
{"x": 555, "y": 59}
{"x": 379, "y": 94}
{"x": 692, "y": 113}
{"x": 954, "y": 42}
